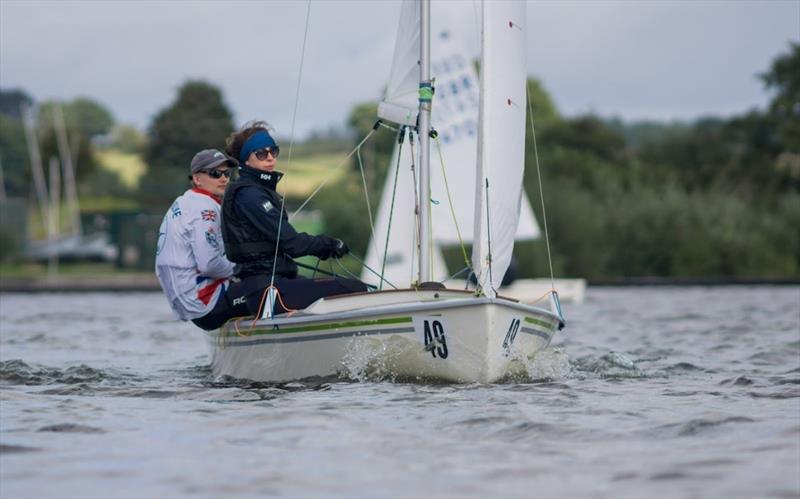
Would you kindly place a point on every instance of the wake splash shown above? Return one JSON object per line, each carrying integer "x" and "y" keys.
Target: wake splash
{"x": 374, "y": 360}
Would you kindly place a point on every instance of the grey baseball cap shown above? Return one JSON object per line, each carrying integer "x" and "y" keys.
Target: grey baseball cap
{"x": 208, "y": 159}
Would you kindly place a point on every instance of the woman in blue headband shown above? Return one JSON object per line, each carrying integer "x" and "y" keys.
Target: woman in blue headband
{"x": 253, "y": 215}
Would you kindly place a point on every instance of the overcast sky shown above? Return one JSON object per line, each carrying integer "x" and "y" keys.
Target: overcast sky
{"x": 658, "y": 60}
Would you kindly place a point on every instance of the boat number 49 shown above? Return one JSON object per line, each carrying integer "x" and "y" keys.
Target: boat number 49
{"x": 511, "y": 335}
{"x": 435, "y": 341}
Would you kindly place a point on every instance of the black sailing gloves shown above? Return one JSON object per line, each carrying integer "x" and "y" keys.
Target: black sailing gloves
{"x": 332, "y": 247}
{"x": 340, "y": 249}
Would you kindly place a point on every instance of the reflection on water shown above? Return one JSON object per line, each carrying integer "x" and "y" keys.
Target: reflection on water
{"x": 649, "y": 392}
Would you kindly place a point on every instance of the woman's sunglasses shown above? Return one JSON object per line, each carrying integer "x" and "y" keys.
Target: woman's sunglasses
{"x": 218, "y": 173}
{"x": 261, "y": 154}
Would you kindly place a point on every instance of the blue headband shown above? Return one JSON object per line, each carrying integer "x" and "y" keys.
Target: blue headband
{"x": 258, "y": 140}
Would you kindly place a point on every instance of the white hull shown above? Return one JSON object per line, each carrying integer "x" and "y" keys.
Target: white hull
{"x": 444, "y": 335}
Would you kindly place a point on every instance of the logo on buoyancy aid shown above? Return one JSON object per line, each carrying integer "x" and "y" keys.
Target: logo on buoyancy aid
{"x": 239, "y": 301}
{"x": 267, "y": 206}
{"x": 211, "y": 238}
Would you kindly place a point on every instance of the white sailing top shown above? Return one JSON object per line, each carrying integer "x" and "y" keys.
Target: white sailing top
{"x": 190, "y": 258}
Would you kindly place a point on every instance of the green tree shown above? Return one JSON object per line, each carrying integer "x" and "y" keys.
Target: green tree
{"x": 13, "y": 150}
{"x": 82, "y": 115}
{"x": 128, "y": 138}
{"x": 783, "y": 77}
{"x": 197, "y": 119}
{"x": 14, "y": 155}
{"x": 375, "y": 154}
{"x": 11, "y": 101}
{"x": 84, "y": 119}
{"x": 544, "y": 110}
{"x": 89, "y": 117}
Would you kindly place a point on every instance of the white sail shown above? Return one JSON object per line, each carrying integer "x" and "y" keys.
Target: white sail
{"x": 400, "y": 105}
{"x": 501, "y": 140}
{"x": 400, "y": 226}
{"x": 455, "y": 118}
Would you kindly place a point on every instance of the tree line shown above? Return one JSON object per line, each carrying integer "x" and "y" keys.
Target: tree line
{"x": 712, "y": 198}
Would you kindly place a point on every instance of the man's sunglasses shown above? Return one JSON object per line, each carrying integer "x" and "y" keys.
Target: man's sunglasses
{"x": 218, "y": 173}
{"x": 261, "y": 154}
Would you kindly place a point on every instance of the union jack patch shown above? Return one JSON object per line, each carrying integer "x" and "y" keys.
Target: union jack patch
{"x": 209, "y": 215}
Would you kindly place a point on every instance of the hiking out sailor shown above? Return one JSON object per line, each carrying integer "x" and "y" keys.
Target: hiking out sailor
{"x": 258, "y": 235}
{"x": 190, "y": 258}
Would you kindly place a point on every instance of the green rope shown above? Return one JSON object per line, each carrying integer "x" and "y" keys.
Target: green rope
{"x": 541, "y": 189}
{"x": 450, "y": 202}
{"x": 366, "y": 197}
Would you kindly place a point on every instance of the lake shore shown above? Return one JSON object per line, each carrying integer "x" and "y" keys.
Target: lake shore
{"x": 132, "y": 282}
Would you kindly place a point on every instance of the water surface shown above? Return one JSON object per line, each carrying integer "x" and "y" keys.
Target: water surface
{"x": 649, "y": 392}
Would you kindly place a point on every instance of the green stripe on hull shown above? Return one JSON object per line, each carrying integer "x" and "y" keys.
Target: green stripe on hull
{"x": 547, "y": 325}
{"x": 318, "y": 327}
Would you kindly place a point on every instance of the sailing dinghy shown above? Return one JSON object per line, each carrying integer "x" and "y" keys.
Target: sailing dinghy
{"x": 425, "y": 331}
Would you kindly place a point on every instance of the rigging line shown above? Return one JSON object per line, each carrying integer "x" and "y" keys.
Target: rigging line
{"x": 400, "y": 136}
{"x": 289, "y": 162}
{"x": 330, "y": 175}
{"x": 366, "y": 197}
{"x": 390, "y": 127}
{"x": 364, "y": 264}
{"x": 325, "y": 272}
{"x": 430, "y": 238}
{"x": 351, "y": 274}
{"x": 541, "y": 189}
{"x": 299, "y": 80}
{"x": 450, "y": 202}
{"x": 417, "y": 221}
{"x": 459, "y": 273}
{"x": 489, "y": 235}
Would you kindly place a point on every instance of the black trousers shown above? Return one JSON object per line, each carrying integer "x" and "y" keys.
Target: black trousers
{"x": 244, "y": 297}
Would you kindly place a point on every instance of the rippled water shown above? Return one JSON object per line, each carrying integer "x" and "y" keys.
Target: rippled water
{"x": 649, "y": 392}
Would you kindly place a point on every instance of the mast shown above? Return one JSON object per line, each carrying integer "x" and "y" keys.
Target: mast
{"x": 425, "y": 98}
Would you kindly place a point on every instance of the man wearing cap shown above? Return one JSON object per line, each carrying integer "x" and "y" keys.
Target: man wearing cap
{"x": 190, "y": 257}
{"x": 259, "y": 237}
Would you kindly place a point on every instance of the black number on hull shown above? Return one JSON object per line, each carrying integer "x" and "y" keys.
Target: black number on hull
{"x": 511, "y": 334}
{"x": 434, "y": 333}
